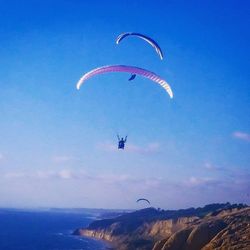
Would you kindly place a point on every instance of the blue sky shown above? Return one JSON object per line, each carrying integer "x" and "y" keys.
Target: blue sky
{"x": 58, "y": 145}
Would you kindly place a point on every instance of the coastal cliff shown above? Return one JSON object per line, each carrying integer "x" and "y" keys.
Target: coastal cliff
{"x": 215, "y": 226}
{"x": 226, "y": 230}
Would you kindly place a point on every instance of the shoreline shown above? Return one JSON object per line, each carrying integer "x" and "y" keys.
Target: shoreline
{"x": 107, "y": 244}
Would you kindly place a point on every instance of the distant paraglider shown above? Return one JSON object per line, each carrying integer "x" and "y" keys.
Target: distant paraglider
{"x": 129, "y": 69}
{"x": 121, "y": 142}
{"x": 143, "y": 199}
{"x": 146, "y": 38}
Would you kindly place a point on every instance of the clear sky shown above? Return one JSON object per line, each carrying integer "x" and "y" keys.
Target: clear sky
{"x": 58, "y": 145}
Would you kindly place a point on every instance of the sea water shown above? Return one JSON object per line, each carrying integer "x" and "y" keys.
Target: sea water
{"x": 44, "y": 230}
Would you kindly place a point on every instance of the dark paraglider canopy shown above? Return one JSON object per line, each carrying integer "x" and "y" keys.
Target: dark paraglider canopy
{"x": 149, "y": 40}
{"x": 143, "y": 199}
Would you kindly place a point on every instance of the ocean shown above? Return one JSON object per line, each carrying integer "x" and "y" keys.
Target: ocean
{"x": 44, "y": 230}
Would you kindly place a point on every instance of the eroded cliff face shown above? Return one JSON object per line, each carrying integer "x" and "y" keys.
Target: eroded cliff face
{"x": 235, "y": 236}
{"x": 143, "y": 237}
{"x": 223, "y": 229}
{"x": 98, "y": 234}
{"x": 165, "y": 228}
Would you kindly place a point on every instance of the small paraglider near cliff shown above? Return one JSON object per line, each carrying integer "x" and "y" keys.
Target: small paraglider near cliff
{"x": 143, "y": 199}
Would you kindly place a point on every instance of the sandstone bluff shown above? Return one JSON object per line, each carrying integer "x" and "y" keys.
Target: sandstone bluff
{"x": 213, "y": 227}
